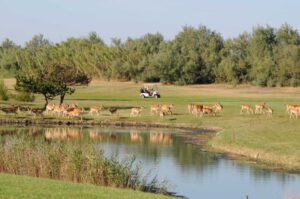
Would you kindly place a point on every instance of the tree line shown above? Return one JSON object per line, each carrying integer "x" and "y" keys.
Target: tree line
{"x": 266, "y": 56}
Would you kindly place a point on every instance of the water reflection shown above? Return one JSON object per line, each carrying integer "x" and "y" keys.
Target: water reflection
{"x": 63, "y": 133}
{"x": 193, "y": 171}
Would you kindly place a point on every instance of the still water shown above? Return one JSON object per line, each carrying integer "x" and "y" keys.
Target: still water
{"x": 190, "y": 171}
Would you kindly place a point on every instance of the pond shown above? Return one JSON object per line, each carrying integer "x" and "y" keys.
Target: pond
{"x": 191, "y": 171}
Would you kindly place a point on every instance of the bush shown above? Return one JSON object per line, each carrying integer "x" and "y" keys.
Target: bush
{"x": 3, "y": 92}
{"x": 294, "y": 82}
{"x": 25, "y": 97}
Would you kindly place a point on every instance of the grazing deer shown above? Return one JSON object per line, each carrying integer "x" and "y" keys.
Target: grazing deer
{"x": 10, "y": 109}
{"x": 49, "y": 108}
{"x": 208, "y": 110}
{"x": 37, "y": 111}
{"x": 294, "y": 113}
{"x": 154, "y": 108}
{"x": 218, "y": 107}
{"x": 167, "y": 108}
{"x": 246, "y": 107}
{"x": 269, "y": 111}
{"x": 259, "y": 108}
{"x": 113, "y": 111}
{"x": 197, "y": 110}
{"x": 190, "y": 107}
{"x": 291, "y": 106}
{"x": 95, "y": 109}
{"x": 23, "y": 109}
{"x": 162, "y": 114}
{"x": 136, "y": 111}
{"x": 60, "y": 109}
{"x": 76, "y": 112}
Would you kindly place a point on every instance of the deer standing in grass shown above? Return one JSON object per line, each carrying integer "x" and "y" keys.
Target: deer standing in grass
{"x": 167, "y": 108}
{"x": 269, "y": 111}
{"x": 259, "y": 108}
{"x": 154, "y": 108}
{"x": 197, "y": 110}
{"x": 294, "y": 112}
{"x": 246, "y": 107}
{"x": 136, "y": 111}
{"x": 95, "y": 109}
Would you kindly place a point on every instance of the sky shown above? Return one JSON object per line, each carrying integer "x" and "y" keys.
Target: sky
{"x": 58, "y": 20}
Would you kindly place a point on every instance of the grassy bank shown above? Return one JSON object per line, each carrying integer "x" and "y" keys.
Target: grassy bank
{"x": 12, "y": 186}
{"x": 272, "y": 140}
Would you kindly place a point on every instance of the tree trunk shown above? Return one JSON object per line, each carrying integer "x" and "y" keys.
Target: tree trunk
{"x": 62, "y": 97}
{"x": 46, "y": 103}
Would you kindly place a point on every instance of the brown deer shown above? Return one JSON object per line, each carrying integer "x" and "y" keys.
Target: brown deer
{"x": 209, "y": 111}
{"x": 259, "y": 108}
{"x": 294, "y": 113}
{"x": 167, "y": 108}
{"x": 246, "y": 107}
{"x": 197, "y": 110}
{"x": 154, "y": 108}
{"x": 136, "y": 111}
{"x": 218, "y": 107}
{"x": 95, "y": 109}
{"x": 269, "y": 111}
{"x": 113, "y": 111}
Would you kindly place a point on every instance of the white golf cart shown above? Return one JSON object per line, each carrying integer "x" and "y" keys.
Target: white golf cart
{"x": 146, "y": 92}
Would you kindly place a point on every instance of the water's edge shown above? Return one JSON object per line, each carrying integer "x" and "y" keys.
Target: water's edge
{"x": 260, "y": 158}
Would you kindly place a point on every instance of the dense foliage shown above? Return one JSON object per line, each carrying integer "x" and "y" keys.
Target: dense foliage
{"x": 264, "y": 57}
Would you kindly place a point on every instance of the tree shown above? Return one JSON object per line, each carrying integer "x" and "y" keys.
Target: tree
{"x": 261, "y": 54}
{"x": 42, "y": 82}
{"x": 51, "y": 81}
{"x": 68, "y": 76}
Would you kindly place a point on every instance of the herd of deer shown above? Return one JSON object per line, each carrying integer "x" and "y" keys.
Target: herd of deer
{"x": 73, "y": 110}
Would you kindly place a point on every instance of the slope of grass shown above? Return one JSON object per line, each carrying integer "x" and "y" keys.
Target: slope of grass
{"x": 12, "y": 186}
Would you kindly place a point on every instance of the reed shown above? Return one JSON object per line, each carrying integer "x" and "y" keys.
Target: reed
{"x": 75, "y": 161}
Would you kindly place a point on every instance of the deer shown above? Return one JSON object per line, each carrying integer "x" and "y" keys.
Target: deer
{"x": 190, "y": 107}
{"x": 197, "y": 110}
{"x": 246, "y": 107}
{"x": 209, "y": 111}
{"x": 269, "y": 111}
{"x": 76, "y": 112}
{"x": 291, "y": 106}
{"x": 154, "y": 108}
{"x": 136, "y": 111}
{"x": 113, "y": 111}
{"x": 218, "y": 107}
{"x": 167, "y": 108}
{"x": 259, "y": 108}
{"x": 294, "y": 113}
{"x": 95, "y": 109}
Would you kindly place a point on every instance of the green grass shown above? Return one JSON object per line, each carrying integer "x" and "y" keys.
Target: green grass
{"x": 12, "y": 186}
{"x": 273, "y": 140}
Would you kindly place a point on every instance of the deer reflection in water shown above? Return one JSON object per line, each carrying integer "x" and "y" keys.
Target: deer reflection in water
{"x": 135, "y": 136}
{"x": 159, "y": 137}
{"x": 63, "y": 133}
{"x": 95, "y": 135}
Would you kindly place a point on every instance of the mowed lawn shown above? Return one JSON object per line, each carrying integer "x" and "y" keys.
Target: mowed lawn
{"x": 274, "y": 139}
{"x": 16, "y": 187}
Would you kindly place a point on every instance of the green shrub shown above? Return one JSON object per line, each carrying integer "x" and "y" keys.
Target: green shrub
{"x": 3, "y": 92}
{"x": 294, "y": 82}
{"x": 25, "y": 97}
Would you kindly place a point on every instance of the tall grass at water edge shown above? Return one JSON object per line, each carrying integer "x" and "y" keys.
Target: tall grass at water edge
{"x": 73, "y": 161}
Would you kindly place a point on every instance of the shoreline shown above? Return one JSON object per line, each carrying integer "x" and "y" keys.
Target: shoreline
{"x": 261, "y": 158}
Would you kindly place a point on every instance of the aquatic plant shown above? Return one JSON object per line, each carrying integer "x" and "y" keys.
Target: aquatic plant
{"x": 72, "y": 160}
